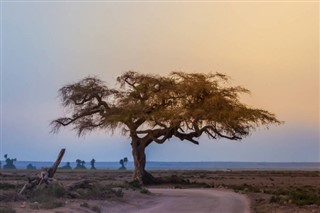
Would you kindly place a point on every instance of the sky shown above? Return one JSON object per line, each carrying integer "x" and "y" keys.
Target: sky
{"x": 270, "y": 48}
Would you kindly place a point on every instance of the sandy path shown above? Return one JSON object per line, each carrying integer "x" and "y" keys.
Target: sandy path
{"x": 187, "y": 200}
{"x": 164, "y": 201}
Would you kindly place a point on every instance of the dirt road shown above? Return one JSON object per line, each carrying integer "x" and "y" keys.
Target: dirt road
{"x": 187, "y": 201}
{"x": 165, "y": 201}
{"x": 199, "y": 200}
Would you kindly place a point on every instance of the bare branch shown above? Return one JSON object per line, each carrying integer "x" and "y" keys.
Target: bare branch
{"x": 67, "y": 121}
{"x": 189, "y": 137}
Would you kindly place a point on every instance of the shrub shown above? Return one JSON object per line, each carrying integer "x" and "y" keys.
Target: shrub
{"x": 6, "y": 186}
{"x": 134, "y": 184}
{"x": 52, "y": 204}
{"x": 84, "y": 204}
{"x": 145, "y": 191}
{"x": 47, "y": 198}
{"x": 93, "y": 208}
{"x": 245, "y": 187}
{"x": 118, "y": 192}
{"x": 298, "y": 196}
{"x": 98, "y": 191}
{"x": 47, "y": 194}
{"x": 7, "y": 210}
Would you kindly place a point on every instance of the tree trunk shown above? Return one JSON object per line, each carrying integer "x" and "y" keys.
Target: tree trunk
{"x": 44, "y": 175}
{"x": 139, "y": 158}
{"x": 54, "y": 167}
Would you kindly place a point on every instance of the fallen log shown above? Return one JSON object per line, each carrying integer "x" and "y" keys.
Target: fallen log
{"x": 44, "y": 176}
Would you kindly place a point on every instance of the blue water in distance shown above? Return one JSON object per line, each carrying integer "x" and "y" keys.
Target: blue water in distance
{"x": 186, "y": 165}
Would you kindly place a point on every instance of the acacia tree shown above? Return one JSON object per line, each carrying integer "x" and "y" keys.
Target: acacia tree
{"x": 151, "y": 108}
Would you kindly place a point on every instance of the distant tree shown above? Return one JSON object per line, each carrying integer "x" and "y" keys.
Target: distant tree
{"x": 92, "y": 162}
{"x": 9, "y": 162}
{"x": 123, "y": 163}
{"x": 78, "y": 161}
{"x": 31, "y": 167}
{"x": 152, "y": 108}
{"x": 67, "y": 166}
{"x": 80, "y": 164}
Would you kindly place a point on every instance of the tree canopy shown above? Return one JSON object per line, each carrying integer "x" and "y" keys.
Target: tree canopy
{"x": 152, "y": 108}
{"x": 181, "y": 105}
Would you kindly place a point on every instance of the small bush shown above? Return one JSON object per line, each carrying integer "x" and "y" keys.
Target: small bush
{"x": 303, "y": 197}
{"x": 47, "y": 198}
{"x": 118, "y": 192}
{"x": 245, "y": 187}
{"x": 145, "y": 191}
{"x": 98, "y": 191}
{"x": 52, "y": 204}
{"x": 7, "y": 210}
{"x": 134, "y": 184}
{"x": 6, "y": 186}
{"x": 298, "y": 196}
{"x": 175, "y": 179}
{"x": 84, "y": 204}
{"x": 35, "y": 205}
{"x": 93, "y": 208}
{"x": 47, "y": 194}
{"x": 275, "y": 199}
{"x": 9, "y": 196}
{"x": 57, "y": 190}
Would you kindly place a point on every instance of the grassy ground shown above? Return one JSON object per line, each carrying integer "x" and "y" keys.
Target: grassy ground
{"x": 269, "y": 191}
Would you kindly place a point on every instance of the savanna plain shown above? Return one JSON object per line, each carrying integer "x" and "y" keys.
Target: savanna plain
{"x": 114, "y": 191}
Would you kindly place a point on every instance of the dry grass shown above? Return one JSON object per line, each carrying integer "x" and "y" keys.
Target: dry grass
{"x": 281, "y": 191}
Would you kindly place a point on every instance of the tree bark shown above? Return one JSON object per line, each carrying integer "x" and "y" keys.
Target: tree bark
{"x": 54, "y": 167}
{"x": 139, "y": 159}
{"x": 39, "y": 178}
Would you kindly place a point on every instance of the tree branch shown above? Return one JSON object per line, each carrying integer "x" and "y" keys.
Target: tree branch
{"x": 66, "y": 121}
{"x": 188, "y": 137}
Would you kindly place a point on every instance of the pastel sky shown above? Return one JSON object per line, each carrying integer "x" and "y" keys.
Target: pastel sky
{"x": 271, "y": 48}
